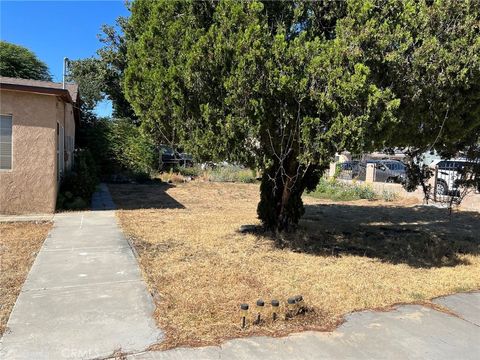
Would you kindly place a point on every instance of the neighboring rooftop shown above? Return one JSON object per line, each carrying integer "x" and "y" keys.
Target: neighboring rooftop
{"x": 70, "y": 93}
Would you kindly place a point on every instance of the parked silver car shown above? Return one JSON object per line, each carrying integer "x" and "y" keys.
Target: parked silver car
{"x": 391, "y": 171}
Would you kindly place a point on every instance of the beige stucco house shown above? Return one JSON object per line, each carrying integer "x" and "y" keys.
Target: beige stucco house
{"x": 37, "y": 140}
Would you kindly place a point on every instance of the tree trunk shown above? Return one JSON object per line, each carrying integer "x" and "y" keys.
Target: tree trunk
{"x": 281, "y": 205}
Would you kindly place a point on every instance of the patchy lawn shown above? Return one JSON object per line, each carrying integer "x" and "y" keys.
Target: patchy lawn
{"x": 19, "y": 245}
{"x": 346, "y": 257}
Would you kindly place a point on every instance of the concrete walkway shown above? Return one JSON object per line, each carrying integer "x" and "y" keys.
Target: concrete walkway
{"x": 84, "y": 297}
{"x": 408, "y": 332}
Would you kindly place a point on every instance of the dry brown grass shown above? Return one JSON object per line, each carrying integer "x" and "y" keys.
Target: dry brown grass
{"x": 346, "y": 257}
{"x": 172, "y": 177}
{"x": 19, "y": 245}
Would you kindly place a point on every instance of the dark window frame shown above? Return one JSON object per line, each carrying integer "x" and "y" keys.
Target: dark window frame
{"x": 6, "y": 131}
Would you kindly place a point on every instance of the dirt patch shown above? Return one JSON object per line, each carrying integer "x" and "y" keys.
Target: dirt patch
{"x": 345, "y": 257}
{"x": 19, "y": 245}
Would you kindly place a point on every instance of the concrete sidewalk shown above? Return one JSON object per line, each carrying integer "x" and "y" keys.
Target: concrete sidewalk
{"x": 84, "y": 297}
{"x": 408, "y": 332}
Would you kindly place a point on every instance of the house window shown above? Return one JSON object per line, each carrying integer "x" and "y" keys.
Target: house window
{"x": 5, "y": 142}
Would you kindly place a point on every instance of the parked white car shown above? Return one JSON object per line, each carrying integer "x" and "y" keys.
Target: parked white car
{"x": 448, "y": 174}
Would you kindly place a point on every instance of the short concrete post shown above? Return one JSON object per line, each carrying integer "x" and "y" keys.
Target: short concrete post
{"x": 332, "y": 170}
{"x": 435, "y": 178}
{"x": 370, "y": 173}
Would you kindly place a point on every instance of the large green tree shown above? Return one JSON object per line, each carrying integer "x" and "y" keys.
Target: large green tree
{"x": 101, "y": 77}
{"x": 284, "y": 85}
{"x": 117, "y": 141}
{"x": 19, "y": 62}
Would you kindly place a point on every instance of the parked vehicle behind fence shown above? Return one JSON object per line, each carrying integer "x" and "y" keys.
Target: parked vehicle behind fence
{"x": 392, "y": 171}
{"x": 449, "y": 172}
{"x": 169, "y": 158}
{"x": 349, "y": 170}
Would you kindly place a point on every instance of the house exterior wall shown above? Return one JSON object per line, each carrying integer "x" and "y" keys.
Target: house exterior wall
{"x": 69, "y": 134}
{"x": 31, "y": 185}
{"x": 65, "y": 118}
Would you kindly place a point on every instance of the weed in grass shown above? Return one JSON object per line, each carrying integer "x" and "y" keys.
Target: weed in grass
{"x": 388, "y": 195}
{"x": 417, "y": 296}
{"x": 459, "y": 289}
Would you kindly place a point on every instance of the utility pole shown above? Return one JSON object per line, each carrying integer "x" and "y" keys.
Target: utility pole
{"x": 66, "y": 62}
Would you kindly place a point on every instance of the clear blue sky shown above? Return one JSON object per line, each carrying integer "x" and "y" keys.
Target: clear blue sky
{"x": 55, "y": 29}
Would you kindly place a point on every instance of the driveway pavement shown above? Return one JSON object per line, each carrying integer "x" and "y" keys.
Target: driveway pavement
{"x": 84, "y": 296}
{"x": 408, "y": 332}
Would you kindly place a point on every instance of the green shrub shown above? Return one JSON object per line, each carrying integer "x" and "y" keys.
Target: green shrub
{"x": 95, "y": 136}
{"x": 78, "y": 186}
{"x": 141, "y": 176}
{"x": 246, "y": 176}
{"x": 339, "y": 191}
{"x": 78, "y": 204}
{"x": 364, "y": 192}
{"x": 132, "y": 148}
{"x": 389, "y": 195}
{"x": 231, "y": 174}
{"x": 119, "y": 146}
{"x": 193, "y": 171}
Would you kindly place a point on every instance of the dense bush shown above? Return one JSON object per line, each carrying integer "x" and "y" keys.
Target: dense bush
{"x": 228, "y": 173}
{"x": 335, "y": 190}
{"x": 95, "y": 136}
{"x": 139, "y": 176}
{"x": 192, "y": 171}
{"x": 131, "y": 148}
{"x": 119, "y": 146}
{"x": 78, "y": 185}
{"x": 389, "y": 195}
